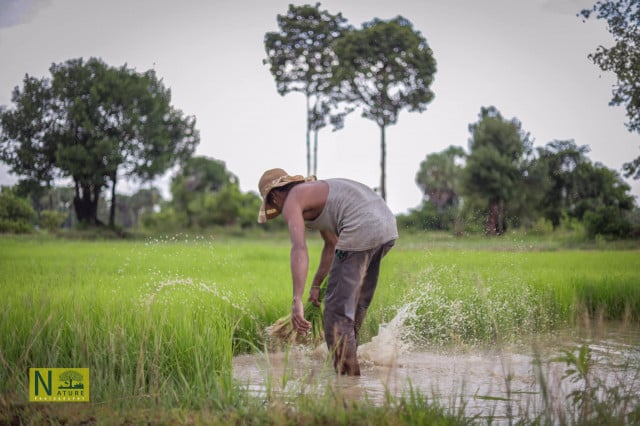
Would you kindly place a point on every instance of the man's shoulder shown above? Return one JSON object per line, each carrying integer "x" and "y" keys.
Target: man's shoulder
{"x": 345, "y": 181}
{"x": 349, "y": 183}
{"x": 308, "y": 191}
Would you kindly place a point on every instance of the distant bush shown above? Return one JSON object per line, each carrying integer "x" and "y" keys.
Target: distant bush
{"x": 166, "y": 220}
{"x": 16, "y": 214}
{"x": 428, "y": 218}
{"x": 606, "y": 221}
{"x": 541, "y": 227}
{"x": 52, "y": 220}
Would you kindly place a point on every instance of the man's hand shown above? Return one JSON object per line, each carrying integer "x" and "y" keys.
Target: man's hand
{"x": 314, "y": 295}
{"x": 297, "y": 317}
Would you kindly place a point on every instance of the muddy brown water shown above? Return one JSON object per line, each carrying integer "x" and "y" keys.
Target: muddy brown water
{"x": 497, "y": 382}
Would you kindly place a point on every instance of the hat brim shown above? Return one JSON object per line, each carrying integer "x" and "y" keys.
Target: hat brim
{"x": 267, "y": 210}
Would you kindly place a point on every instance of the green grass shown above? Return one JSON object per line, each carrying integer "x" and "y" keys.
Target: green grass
{"x": 158, "y": 321}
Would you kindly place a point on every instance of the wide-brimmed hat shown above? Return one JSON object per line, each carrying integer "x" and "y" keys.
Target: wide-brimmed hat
{"x": 275, "y": 178}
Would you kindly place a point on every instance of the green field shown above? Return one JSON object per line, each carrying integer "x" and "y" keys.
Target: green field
{"x": 158, "y": 321}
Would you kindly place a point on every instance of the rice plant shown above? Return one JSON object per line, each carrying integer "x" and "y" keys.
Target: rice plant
{"x": 158, "y": 321}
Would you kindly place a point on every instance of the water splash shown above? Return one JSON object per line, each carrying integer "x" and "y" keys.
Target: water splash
{"x": 393, "y": 338}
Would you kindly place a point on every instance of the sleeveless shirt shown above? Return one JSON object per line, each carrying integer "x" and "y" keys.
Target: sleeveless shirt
{"x": 357, "y": 215}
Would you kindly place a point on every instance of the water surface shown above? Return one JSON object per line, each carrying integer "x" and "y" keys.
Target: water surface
{"x": 497, "y": 381}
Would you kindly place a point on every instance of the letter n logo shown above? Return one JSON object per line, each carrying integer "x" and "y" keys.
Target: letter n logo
{"x": 40, "y": 384}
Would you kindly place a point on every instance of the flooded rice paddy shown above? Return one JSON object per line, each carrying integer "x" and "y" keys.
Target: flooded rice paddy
{"x": 500, "y": 381}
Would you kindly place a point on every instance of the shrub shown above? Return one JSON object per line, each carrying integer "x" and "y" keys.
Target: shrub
{"x": 427, "y": 218}
{"x": 541, "y": 227}
{"x": 16, "y": 214}
{"x": 166, "y": 220}
{"x": 52, "y": 219}
{"x": 607, "y": 221}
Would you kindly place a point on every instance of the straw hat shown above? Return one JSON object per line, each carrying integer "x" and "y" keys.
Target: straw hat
{"x": 275, "y": 178}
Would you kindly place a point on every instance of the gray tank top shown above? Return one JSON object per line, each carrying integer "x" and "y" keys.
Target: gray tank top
{"x": 357, "y": 215}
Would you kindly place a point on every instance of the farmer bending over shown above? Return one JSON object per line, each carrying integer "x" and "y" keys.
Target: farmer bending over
{"x": 358, "y": 229}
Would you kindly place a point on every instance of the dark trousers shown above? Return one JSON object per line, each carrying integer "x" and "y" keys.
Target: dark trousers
{"x": 352, "y": 282}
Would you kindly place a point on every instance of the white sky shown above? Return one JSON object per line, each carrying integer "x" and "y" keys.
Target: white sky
{"x": 528, "y": 58}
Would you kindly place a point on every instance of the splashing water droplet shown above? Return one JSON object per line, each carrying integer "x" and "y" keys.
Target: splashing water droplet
{"x": 392, "y": 339}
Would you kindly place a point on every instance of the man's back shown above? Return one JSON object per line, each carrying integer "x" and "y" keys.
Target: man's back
{"x": 360, "y": 217}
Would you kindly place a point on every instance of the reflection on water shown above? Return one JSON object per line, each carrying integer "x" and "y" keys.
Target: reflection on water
{"x": 489, "y": 382}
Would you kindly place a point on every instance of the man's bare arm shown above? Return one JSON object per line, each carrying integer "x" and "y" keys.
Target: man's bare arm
{"x": 292, "y": 213}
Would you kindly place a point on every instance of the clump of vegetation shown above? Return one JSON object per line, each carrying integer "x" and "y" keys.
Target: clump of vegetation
{"x": 282, "y": 331}
{"x": 592, "y": 400}
{"x": 164, "y": 317}
{"x": 52, "y": 220}
{"x": 16, "y": 213}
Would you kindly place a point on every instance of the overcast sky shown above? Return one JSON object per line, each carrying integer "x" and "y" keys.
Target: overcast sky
{"x": 528, "y": 58}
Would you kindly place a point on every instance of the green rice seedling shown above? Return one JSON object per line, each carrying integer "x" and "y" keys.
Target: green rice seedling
{"x": 282, "y": 331}
{"x": 158, "y": 321}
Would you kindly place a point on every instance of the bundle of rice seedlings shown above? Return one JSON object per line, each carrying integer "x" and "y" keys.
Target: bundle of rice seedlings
{"x": 282, "y": 330}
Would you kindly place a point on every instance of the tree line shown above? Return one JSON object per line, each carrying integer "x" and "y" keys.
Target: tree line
{"x": 499, "y": 182}
{"x": 93, "y": 124}
{"x": 502, "y": 182}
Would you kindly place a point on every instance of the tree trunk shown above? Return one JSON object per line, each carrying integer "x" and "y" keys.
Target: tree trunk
{"x": 493, "y": 218}
{"x": 308, "y": 136}
{"x": 112, "y": 211}
{"x": 383, "y": 163}
{"x": 94, "y": 204}
{"x": 85, "y": 204}
{"x": 315, "y": 152}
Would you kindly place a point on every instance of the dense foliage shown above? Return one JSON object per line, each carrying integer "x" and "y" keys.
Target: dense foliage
{"x": 300, "y": 57}
{"x": 93, "y": 123}
{"x": 504, "y": 183}
{"x": 384, "y": 68}
{"x": 623, "y": 59}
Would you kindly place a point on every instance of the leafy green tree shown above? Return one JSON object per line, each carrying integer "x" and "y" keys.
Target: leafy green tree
{"x": 576, "y": 188}
{"x": 495, "y": 165}
{"x": 199, "y": 176}
{"x": 93, "y": 123}
{"x": 597, "y": 186}
{"x": 249, "y": 205}
{"x": 601, "y": 201}
{"x": 526, "y": 205}
{"x": 27, "y": 143}
{"x": 229, "y": 207}
{"x": 300, "y": 58}
{"x": 623, "y": 58}
{"x": 439, "y": 177}
{"x": 439, "y": 180}
{"x": 606, "y": 221}
{"x": 558, "y": 162}
{"x": 385, "y": 67}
